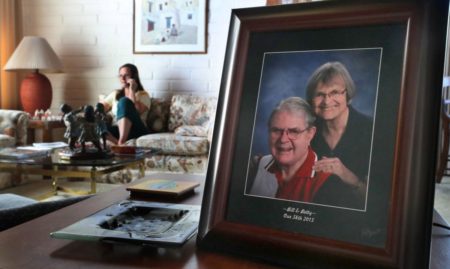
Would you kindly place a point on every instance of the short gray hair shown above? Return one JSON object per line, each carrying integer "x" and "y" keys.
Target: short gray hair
{"x": 295, "y": 105}
{"x": 324, "y": 74}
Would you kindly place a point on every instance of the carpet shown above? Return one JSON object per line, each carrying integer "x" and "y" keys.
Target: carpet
{"x": 42, "y": 190}
{"x": 442, "y": 198}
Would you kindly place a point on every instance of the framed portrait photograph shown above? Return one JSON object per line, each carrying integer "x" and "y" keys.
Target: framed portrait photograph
{"x": 325, "y": 139}
{"x": 175, "y": 26}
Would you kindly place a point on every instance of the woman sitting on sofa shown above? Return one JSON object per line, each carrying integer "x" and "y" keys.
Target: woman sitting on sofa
{"x": 129, "y": 106}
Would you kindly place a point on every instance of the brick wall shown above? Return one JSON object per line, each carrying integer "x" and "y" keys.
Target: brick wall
{"x": 93, "y": 38}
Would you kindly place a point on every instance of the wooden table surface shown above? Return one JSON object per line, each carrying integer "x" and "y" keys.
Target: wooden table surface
{"x": 29, "y": 245}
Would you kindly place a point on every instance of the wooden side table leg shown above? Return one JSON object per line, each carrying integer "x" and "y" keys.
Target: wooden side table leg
{"x": 47, "y": 135}
{"x": 93, "y": 180}
{"x": 31, "y": 137}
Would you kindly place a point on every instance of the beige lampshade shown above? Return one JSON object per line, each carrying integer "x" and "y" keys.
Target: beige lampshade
{"x": 34, "y": 53}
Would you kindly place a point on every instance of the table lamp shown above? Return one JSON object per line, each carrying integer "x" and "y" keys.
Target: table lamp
{"x": 34, "y": 53}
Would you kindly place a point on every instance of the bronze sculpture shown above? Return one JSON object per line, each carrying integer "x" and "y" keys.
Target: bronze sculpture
{"x": 89, "y": 126}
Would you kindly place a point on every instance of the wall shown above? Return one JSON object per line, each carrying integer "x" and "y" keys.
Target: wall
{"x": 93, "y": 38}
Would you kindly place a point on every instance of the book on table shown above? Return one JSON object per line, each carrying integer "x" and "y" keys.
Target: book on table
{"x": 131, "y": 150}
{"x": 165, "y": 187}
{"x": 21, "y": 153}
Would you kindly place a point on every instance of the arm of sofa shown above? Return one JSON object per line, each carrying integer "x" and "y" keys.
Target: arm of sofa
{"x": 14, "y": 123}
{"x": 193, "y": 110}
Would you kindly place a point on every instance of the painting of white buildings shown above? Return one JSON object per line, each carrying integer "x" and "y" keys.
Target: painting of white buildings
{"x": 172, "y": 23}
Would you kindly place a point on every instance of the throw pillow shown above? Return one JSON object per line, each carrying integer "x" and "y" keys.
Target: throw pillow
{"x": 158, "y": 115}
{"x": 189, "y": 110}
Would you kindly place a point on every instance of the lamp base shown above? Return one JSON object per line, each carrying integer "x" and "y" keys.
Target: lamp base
{"x": 35, "y": 92}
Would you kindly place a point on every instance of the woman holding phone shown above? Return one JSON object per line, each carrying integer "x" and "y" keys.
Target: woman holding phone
{"x": 129, "y": 105}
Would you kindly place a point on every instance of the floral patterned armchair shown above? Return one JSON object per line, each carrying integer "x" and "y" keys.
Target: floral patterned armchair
{"x": 13, "y": 128}
{"x": 13, "y": 132}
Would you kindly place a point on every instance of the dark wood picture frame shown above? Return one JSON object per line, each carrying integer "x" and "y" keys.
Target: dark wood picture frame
{"x": 412, "y": 35}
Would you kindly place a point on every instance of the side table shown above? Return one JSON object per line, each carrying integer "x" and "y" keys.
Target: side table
{"x": 47, "y": 128}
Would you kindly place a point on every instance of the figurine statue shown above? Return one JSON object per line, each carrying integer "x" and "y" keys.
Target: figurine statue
{"x": 100, "y": 118}
{"x": 89, "y": 129}
{"x": 72, "y": 123}
{"x": 89, "y": 126}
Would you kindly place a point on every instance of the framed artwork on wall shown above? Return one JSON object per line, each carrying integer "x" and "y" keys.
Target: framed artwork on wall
{"x": 376, "y": 60}
{"x": 169, "y": 26}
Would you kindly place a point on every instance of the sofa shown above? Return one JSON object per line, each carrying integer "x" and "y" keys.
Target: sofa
{"x": 181, "y": 127}
{"x": 13, "y": 132}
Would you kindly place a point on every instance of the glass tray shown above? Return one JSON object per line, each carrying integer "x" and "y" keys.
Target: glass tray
{"x": 137, "y": 222}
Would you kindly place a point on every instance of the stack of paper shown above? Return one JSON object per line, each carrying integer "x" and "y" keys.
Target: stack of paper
{"x": 21, "y": 153}
{"x": 50, "y": 145}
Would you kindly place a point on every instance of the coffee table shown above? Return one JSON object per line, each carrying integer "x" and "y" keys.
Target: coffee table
{"x": 29, "y": 245}
{"x": 56, "y": 167}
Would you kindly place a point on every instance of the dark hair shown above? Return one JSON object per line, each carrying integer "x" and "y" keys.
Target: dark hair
{"x": 89, "y": 113}
{"x": 324, "y": 74}
{"x": 65, "y": 108}
{"x": 134, "y": 75}
{"x": 100, "y": 108}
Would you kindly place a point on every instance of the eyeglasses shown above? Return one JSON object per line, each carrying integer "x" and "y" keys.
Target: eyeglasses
{"x": 125, "y": 76}
{"x": 292, "y": 133}
{"x": 333, "y": 94}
